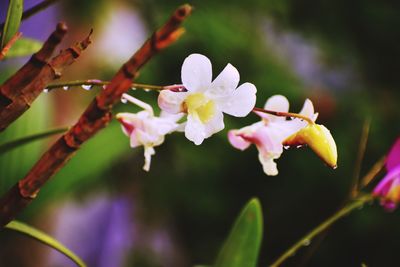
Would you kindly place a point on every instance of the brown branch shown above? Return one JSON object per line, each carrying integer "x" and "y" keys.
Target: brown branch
{"x": 22, "y": 89}
{"x": 10, "y": 43}
{"x": 96, "y": 116}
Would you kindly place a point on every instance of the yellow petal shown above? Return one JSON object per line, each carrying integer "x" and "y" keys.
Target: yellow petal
{"x": 319, "y": 139}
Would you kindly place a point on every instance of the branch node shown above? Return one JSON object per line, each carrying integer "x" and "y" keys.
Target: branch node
{"x": 27, "y": 194}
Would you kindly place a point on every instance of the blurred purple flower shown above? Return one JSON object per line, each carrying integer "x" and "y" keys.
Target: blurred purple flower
{"x": 389, "y": 188}
{"x": 100, "y": 231}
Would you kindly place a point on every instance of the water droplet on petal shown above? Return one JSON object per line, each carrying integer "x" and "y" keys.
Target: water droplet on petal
{"x": 86, "y": 87}
{"x": 45, "y": 90}
{"x": 65, "y": 88}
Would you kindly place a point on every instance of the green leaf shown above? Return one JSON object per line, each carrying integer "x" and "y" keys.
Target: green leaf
{"x": 243, "y": 244}
{"x": 24, "y": 47}
{"x": 45, "y": 239}
{"x": 14, "y": 15}
{"x": 5, "y": 147}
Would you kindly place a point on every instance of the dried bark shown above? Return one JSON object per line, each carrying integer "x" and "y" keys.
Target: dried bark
{"x": 19, "y": 91}
{"x": 95, "y": 117}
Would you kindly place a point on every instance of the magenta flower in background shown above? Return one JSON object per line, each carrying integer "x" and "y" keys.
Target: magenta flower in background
{"x": 389, "y": 188}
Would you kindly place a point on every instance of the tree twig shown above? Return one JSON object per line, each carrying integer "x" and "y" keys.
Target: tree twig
{"x": 10, "y": 43}
{"x": 18, "y": 92}
{"x": 95, "y": 117}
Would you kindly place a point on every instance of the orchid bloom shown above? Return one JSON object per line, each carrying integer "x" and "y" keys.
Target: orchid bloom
{"x": 389, "y": 187}
{"x": 145, "y": 129}
{"x": 269, "y": 134}
{"x": 205, "y": 100}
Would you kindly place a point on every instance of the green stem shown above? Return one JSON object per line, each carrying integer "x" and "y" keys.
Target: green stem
{"x": 357, "y": 203}
{"x": 27, "y": 139}
{"x": 45, "y": 239}
{"x": 100, "y": 83}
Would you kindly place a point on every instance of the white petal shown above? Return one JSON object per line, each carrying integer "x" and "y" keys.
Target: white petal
{"x": 171, "y": 101}
{"x": 134, "y": 142}
{"x": 174, "y": 117}
{"x": 226, "y": 82}
{"x": 148, "y": 152}
{"x": 215, "y": 125}
{"x": 241, "y": 102}
{"x": 268, "y": 163}
{"x": 275, "y": 103}
{"x": 196, "y": 73}
{"x": 194, "y": 130}
{"x": 308, "y": 109}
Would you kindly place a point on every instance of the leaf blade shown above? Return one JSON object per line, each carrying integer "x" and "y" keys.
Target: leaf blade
{"x": 13, "y": 20}
{"x": 24, "y": 47}
{"x": 243, "y": 243}
{"x": 45, "y": 239}
{"x": 5, "y": 147}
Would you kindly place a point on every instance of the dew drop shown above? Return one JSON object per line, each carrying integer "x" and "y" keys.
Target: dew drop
{"x": 45, "y": 90}
{"x": 86, "y": 87}
{"x": 335, "y": 167}
{"x": 104, "y": 87}
{"x": 147, "y": 90}
{"x": 65, "y": 88}
{"x": 124, "y": 100}
{"x": 286, "y": 147}
{"x": 133, "y": 88}
{"x": 299, "y": 146}
{"x": 306, "y": 242}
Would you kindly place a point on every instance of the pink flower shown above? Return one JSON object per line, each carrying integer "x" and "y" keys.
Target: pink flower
{"x": 389, "y": 187}
{"x": 145, "y": 129}
{"x": 269, "y": 134}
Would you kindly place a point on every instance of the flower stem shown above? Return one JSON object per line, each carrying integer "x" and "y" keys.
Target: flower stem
{"x": 101, "y": 83}
{"x": 304, "y": 241}
{"x": 284, "y": 114}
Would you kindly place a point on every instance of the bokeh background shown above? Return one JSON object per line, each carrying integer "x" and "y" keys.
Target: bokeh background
{"x": 343, "y": 55}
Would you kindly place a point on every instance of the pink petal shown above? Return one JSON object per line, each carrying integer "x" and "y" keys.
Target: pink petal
{"x": 237, "y": 140}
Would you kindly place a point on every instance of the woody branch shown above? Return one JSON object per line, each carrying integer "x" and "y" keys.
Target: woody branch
{"x": 95, "y": 117}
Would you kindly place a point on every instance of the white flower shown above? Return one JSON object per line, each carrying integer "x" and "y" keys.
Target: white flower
{"x": 269, "y": 134}
{"x": 145, "y": 129}
{"x": 205, "y": 100}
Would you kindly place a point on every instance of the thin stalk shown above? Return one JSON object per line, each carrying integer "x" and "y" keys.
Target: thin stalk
{"x": 284, "y": 114}
{"x": 360, "y": 156}
{"x": 5, "y": 147}
{"x": 101, "y": 83}
{"x": 138, "y": 103}
{"x": 10, "y": 43}
{"x": 320, "y": 228}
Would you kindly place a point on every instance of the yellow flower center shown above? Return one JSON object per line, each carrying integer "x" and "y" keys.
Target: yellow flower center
{"x": 200, "y": 106}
